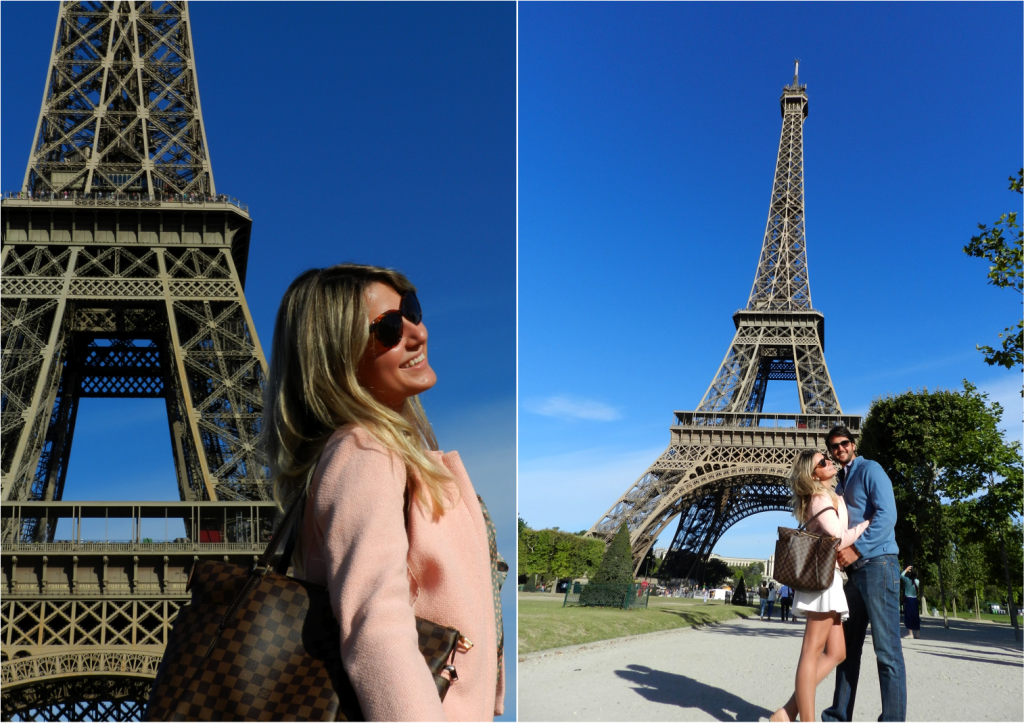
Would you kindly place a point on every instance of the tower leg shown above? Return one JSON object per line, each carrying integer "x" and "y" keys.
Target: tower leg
{"x": 33, "y": 351}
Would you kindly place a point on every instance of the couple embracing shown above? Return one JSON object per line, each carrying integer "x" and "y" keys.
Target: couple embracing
{"x": 853, "y": 502}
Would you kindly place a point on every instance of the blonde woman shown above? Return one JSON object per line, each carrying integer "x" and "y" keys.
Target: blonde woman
{"x": 392, "y": 527}
{"x": 813, "y": 481}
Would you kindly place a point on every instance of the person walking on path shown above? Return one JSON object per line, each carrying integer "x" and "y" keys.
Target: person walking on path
{"x": 872, "y": 586}
{"x": 771, "y": 599}
{"x": 821, "y": 510}
{"x": 911, "y": 613}
{"x": 763, "y": 594}
{"x": 785, "y": 602}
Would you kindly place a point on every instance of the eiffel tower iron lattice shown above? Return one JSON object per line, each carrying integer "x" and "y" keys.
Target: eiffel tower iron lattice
{"x": 728, "y": 460}
{"x": 122, "y": 276}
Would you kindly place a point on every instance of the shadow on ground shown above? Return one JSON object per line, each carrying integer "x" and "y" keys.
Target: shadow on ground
{"x": 697, "y": 617}
{"x": 968, "y": 640}
{"x": 672, "y": 689}
{"x": 774, "y": 629}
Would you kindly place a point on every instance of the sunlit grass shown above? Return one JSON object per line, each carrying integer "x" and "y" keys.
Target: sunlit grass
{"x": 546, "y": 624}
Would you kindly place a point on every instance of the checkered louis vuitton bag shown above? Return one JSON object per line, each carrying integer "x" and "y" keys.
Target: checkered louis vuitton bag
{"x": 803, "y": 560}
{"x": 258, "y": 645}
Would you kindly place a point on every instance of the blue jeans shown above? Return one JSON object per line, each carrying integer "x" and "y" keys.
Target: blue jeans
{"x": 873, "y": 594}
{"x": 764, "y": 604}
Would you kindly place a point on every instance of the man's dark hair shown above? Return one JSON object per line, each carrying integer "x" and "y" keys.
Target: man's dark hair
{"x": 839, "y": 431}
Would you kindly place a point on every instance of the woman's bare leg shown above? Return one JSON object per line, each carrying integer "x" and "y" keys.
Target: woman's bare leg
{"x": 833, "y": 655}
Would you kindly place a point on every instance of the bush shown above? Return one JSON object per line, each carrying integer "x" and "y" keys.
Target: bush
{"x": 605, "y": 595}
{"x": 739, "y": 596}
{"x": 552, "y": 553}
{"x": 617, "y": 563}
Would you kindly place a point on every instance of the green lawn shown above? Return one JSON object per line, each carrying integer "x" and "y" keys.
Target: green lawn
{"x": 961, "y": 615}
{"x": 545, "y": 624}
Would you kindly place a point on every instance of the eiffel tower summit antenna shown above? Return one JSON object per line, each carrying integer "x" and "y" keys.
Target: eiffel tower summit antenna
{"x": 728, "y": 460}
{"x": 123, "y": 271}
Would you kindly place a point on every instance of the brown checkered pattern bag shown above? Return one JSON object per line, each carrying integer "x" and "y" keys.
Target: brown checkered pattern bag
{"x": 258, "y": 645}
{"x": 803, "y": 560}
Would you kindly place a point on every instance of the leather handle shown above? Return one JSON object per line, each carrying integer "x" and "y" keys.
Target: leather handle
{"x": 804, "y": 525}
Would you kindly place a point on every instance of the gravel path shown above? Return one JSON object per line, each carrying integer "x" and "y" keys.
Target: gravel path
{"x": 744, "y": 669}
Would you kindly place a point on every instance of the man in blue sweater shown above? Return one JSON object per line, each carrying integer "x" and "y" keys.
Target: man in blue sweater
{"x": 873, "y": 584}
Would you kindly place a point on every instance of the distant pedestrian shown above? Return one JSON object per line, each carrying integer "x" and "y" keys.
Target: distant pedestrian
{"x": 911, "y": 613}
{"x": 763, "y": 594}
{"x": 705, "y": 595}
{"x": 785, "y": 602}
{"x": 771, "y": 599}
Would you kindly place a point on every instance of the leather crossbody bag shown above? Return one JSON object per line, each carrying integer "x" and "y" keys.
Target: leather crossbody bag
{"x": 803, "y": 560}
{"x": 259, "y": 645}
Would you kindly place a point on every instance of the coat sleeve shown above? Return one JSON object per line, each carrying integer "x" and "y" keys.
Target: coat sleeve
{"x": 880, "y": 507}
{"x": 360, "y": 509}
{"x": 829, "y": 523}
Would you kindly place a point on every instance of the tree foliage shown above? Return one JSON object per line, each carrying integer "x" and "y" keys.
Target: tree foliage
{"x": 940, "y": 446}
{"x": 617, "y": 564}
{"x": 715, "y": 572}
{"x": 1001, "y": 247}
{"x": 558, "y": 554}
{"x": 956, "y": 481}
{"x": 739, "y": 595}
{"x": 749, "y": 572}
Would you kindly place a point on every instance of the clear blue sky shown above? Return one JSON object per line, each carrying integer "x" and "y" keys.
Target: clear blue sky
{"x": 376, "y": 133}
{"x": 648, "y": 136}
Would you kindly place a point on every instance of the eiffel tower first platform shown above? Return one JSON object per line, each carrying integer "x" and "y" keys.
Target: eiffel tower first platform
{"x": 122, "y": 276}
{"x": 727, "y": 460}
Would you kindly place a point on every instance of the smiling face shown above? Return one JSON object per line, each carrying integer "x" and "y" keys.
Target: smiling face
{"x": 393, "y": 375}
{"x": 843, "y": 449}
{"x": 824, "y": 473}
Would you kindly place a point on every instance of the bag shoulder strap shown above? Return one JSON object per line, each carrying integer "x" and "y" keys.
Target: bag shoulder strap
{"x": 289, "y": 529}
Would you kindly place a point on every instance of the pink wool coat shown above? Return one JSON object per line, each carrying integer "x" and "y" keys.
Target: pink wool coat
{"x": 380, "y": 575}
{"x": 835, "y": 523}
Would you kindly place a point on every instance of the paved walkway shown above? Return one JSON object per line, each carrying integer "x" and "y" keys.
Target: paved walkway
{"x": 744, "y": 669}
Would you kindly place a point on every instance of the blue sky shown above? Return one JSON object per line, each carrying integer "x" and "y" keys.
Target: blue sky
{"x": 377, "y": 133}
{"x": 648, "y": 136}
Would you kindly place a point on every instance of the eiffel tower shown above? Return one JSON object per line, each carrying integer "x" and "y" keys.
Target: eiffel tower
{"x": 122, "y": 276}
{"x": 728, "y": 460}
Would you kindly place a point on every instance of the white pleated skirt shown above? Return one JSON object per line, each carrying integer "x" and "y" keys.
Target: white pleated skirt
{"x": 830, "y": 600}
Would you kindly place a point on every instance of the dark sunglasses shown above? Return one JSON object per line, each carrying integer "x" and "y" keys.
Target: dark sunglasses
{"x": 844, "y": 444}
{"x": 823, "y": 462}
{"x": 388, "y": 327}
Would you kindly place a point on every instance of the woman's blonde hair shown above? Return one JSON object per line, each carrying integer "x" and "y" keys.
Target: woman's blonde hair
{"x": 321, "y": 333}
{"x": 804, "y": 485}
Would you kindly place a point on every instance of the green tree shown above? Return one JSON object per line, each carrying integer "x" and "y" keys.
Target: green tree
{"x": 994, "y": 517}
{"x": 975, "y": 571}
{"x": 739, "y": 595}
{"x": 950, "y": 575}
{"x": 558, "y": 554}
{"x": 715, "y": 572}
{"x": 617, "y": 564}
{"x": 1003, "y": 252}
{"x": 939, "y": 447}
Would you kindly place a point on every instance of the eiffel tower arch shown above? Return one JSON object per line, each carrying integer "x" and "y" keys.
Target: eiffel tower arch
{"x": 123, "y": 272}
{"x": 728, "y": 460}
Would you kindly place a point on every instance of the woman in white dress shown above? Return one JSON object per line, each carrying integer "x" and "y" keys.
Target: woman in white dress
{"x": 813, "y": 481}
